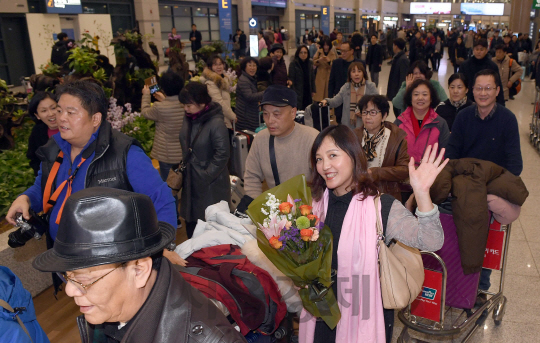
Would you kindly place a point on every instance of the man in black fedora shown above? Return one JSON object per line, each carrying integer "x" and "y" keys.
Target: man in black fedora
{"x": 109, "y": 251}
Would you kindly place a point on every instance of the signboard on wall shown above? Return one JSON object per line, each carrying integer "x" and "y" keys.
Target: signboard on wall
{"x": 325, "y": 19}
{"x": 253, "y": 38}
{"x": 271, "y": 3}
{"x": 536, "y": 4}
{"x": 483, "y": 9}
{"x": 225, "y": 22}
{"x": 63, "y": 6}
{"x": 431, "y": 8}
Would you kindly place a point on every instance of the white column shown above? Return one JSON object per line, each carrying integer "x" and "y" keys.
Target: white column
{"x": 288, "y": 20}
{"x": 147, "y": 13}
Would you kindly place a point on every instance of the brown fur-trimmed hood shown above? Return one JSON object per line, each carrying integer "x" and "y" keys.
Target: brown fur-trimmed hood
{"x": 222, "y": 83}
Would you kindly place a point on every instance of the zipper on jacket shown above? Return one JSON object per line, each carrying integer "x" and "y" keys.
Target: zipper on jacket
{"x": 95, "y": 159}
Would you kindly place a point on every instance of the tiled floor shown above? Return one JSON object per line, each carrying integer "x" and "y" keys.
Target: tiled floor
{"x": 521, "y": 322}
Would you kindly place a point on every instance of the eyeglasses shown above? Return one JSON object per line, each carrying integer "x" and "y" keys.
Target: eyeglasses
{"x": 482, "y": 89}
{"x": 372, "y": 113}
{"x": 84, "y": 288}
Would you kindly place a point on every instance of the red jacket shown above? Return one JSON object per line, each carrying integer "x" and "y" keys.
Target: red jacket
{"x": 434, "y": 130}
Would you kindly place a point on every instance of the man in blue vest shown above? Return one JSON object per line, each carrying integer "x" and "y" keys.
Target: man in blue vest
{"x": 87, "y": 152}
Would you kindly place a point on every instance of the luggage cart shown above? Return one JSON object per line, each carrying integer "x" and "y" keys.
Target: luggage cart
{"x": 535, "y": 122}
{"x": 430, "y": 319}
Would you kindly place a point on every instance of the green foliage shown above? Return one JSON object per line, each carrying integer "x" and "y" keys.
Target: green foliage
{"x": 139, "y": 75}
{"x": 142, "y": 130}
{"x": 232, "y": 63}
{"x": 100, "y": 75}
{"x": 108, "y": 91}
{"x": 50, "y": 69}
{"x": 3, "y": 85}
{"x": 82, "y": 60}
{"x": 15, "y": 169}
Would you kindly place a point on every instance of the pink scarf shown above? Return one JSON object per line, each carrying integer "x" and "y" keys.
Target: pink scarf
{"x": 361, "y": 310}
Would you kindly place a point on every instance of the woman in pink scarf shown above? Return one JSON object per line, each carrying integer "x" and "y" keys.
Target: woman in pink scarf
{"x": 343, "y": 194}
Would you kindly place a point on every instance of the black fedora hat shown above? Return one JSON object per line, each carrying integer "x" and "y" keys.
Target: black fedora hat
{"x": 102, "y": 225}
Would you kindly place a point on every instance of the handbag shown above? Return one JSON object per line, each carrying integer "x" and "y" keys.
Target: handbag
{"x": 460, "y": 60}
{"x": 401, "y": 270}
{"x": 236, "y": 46}
{"x": 175, "y": 179}
{"x": 176, "y": 173}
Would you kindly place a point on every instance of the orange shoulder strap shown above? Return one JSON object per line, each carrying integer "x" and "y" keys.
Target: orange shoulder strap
{"x": 48, "y": 187}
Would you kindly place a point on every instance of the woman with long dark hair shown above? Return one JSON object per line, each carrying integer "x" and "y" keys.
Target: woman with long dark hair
{"x": 43, "y": 109}
{"x": 206, "y": 150}
{"x": 302, "y": 76}
{"x": 344, "y": 198}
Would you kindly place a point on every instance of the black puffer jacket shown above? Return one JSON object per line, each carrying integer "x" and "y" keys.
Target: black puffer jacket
{"x": 174, "y": 312}
{"x": 206, "y": 179}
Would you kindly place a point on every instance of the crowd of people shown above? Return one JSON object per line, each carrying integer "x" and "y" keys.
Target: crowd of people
{"x": 74, "y": 150}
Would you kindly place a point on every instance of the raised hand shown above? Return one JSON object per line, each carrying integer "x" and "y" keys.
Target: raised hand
{"x": 409, "y": 80}
{"x": 422, "y": 178}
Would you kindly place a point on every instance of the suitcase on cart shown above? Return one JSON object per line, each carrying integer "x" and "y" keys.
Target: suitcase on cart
{"x": 237, "y": 192}
{"x": 461, "y": 289}
{"x": 241, "y": 143}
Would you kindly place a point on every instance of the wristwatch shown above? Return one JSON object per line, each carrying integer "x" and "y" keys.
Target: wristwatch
{"x": 171, "y": 246}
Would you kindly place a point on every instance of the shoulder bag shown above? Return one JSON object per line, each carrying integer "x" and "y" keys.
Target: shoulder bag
{"x": 176, "y": 173}
{"x": 401, "y": 270}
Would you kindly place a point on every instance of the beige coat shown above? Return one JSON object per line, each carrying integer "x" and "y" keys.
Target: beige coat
{"x": 504, "y": 72}
{"x": 219, "y": 90}
{"x": 323, "y": 73}
{"x": 169, "y": 116}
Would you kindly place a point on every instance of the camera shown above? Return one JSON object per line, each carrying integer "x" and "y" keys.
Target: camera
{"x": 35, "y": 227}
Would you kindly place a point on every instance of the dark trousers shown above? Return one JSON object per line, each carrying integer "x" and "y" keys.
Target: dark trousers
{"x": 436, "y": 61}
{"x": 338, "y": 111}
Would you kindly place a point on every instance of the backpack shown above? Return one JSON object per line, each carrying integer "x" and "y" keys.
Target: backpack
{"x": 250, "y": 294}
{"x": 516, "y": 86}
{"x": 59, "y": 54}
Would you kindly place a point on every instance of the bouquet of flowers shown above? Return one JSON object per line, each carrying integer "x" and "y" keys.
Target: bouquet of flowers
{"x": 298, "y": 244}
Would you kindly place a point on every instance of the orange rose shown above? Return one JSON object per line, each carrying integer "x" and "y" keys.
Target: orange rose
{"x": 305, "y": 210}
{"x": 306, "y": 234}
{"x": 275, "y": 242}
{"x": 312, "y": 217}
{"x": 285, "y": 207}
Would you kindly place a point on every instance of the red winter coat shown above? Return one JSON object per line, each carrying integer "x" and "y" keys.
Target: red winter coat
{"x": 434, "y": 130}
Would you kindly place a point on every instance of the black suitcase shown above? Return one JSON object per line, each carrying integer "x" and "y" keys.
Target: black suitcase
{"x": 321, "y": 116}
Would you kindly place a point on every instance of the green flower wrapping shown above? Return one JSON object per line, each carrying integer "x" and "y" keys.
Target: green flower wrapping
{"x": 309, "y": 267}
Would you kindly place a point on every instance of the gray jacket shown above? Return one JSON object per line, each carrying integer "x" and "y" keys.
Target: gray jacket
{"x": 344, "y": 98}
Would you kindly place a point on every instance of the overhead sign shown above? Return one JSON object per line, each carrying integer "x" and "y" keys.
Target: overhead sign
{"x": 325, "y": 19}
{"x": 483, "y": 9}
{"x": 391, "y": 18}
{"x": 431, "y": 7}
{"x": 64, "y": 6}
{"x": 225, "y": 22}
{"x": 536, "y": 4}
{"x": 253, "y": 38}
